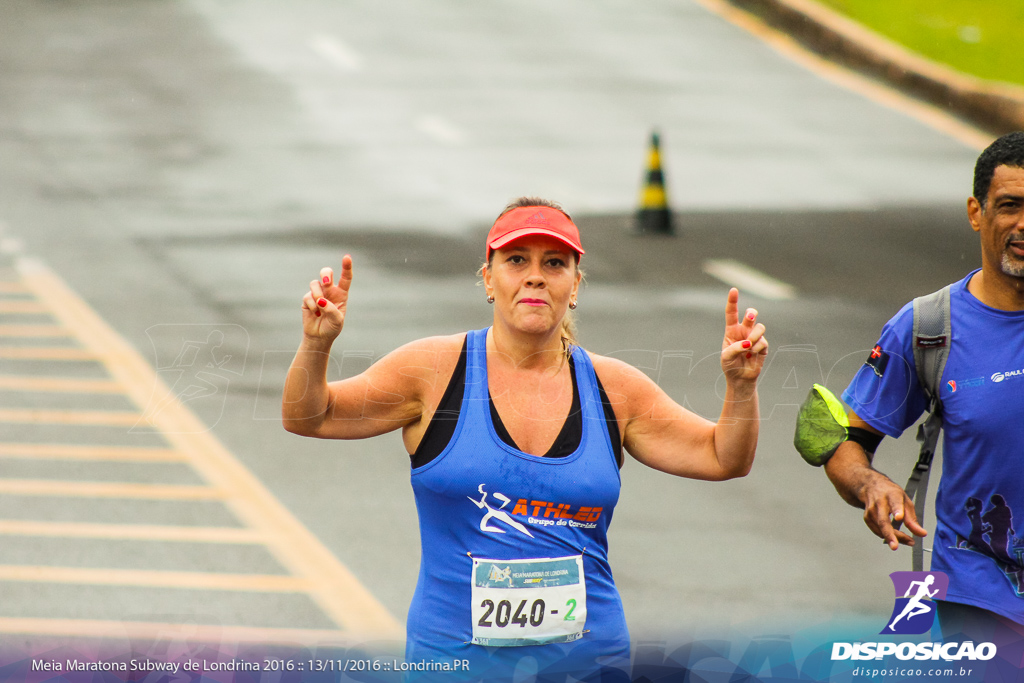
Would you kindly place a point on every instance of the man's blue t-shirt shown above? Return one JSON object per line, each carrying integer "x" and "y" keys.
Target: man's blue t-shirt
{"x": 979, "y": 533}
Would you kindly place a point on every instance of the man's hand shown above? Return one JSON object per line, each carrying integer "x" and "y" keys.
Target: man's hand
{"x": 324, "y": 305}
{"x": 886, "y": 508}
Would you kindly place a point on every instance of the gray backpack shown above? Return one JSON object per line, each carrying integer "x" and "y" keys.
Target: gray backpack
{"x": 932, "y": 339}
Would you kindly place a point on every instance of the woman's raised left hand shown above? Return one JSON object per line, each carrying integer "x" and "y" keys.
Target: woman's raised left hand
{"x": 744, "y": 347}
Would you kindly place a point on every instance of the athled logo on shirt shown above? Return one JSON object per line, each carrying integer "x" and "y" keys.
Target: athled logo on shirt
{"x": 549, "y": 513}
{"x": 536, "y": 512}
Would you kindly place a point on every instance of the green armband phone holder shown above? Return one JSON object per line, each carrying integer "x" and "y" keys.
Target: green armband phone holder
{"x": 821, "y": 426}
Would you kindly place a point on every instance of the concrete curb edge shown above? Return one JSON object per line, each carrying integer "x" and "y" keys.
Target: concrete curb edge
{"x": 996, "y": 107}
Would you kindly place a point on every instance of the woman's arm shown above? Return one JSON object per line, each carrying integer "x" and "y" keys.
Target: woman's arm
{"x": 385, "y": 397}
{"x": 660, "y": 433}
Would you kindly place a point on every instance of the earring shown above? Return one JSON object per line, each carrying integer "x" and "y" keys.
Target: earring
{"x": 572, "y": 304}
{"x": 490, "y": 299}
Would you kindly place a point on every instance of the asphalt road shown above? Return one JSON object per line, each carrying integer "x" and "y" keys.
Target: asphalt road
{"x": 187, "y": 167}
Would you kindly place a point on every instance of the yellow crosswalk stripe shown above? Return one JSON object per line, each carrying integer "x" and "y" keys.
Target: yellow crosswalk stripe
{"x": 138, "y": 532}
{"x": 110, "y": 418}
{"x": 49, "y": 451}
{"x": 154, "y": 578}
{"x": 12, "y": 287}
{"x": 44, "y": 353}
{"x": 106, "y": 489}
{"x": 34, "y": 331}
{"x": 69, "y": 385}
{"x": 98, "y": 628}
{"x": 18, "y": 306}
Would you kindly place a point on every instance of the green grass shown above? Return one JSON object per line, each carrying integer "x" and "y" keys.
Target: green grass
{"x": 984, "y": 38}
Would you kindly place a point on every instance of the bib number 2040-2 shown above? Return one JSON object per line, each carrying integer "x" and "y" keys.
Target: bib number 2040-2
{"x": 528, "y": 602}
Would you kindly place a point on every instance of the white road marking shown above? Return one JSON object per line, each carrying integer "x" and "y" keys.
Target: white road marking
{"x": 440, "y": 130}
{"x": 748, "y": 280}
{"x": 336, "y": 53}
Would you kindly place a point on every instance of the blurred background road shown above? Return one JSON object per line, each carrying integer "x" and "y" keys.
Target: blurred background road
{"x": 185, "y": 167}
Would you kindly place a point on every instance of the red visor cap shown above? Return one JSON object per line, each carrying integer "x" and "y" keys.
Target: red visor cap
{"x": 533, "y": 220}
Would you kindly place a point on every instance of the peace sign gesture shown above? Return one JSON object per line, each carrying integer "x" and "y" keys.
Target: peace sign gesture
{"x": 324, "y": 305}
{"x": 744, "y": 347}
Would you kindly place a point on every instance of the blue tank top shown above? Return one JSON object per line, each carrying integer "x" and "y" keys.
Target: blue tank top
{"x": 514, "y": 561}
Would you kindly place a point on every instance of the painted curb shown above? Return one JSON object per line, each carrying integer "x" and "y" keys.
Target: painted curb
{"x": 996, "y": 107}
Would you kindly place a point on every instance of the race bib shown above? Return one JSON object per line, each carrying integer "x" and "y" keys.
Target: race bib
{"x": 528, "y": 602}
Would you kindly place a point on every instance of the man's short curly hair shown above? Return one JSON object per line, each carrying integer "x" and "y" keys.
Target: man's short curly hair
{"x": 1006, "y": 151}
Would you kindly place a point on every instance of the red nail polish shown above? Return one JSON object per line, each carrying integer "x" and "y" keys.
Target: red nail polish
{"x": 327, "y": 280}
{"x": 749, "y": 355}
{"x": 746, "y": 344}
{"x": 322, "y": 302}
{"x": 317, "y": 313}
{"x": 750, "y": 317}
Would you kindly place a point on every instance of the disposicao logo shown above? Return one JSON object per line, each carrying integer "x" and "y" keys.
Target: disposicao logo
{"x": 914, "y": 611}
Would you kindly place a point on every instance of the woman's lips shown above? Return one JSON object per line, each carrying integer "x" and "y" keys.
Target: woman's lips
{"x": 533, "y": 302}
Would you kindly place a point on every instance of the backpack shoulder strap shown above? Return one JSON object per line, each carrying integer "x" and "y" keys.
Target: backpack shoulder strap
{"x": 931, "y": 340}
{"x": 932, "y": 335}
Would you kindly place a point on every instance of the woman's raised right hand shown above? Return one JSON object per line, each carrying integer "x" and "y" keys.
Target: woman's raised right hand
{"x": 324, "y": 305}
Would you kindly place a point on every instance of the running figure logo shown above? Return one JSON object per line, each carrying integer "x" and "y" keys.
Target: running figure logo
{"x": 197, "y": 364}
{"x": 498, "y": 514}
{"x": 498, "y": 574}
{"x": 914, "y": 612}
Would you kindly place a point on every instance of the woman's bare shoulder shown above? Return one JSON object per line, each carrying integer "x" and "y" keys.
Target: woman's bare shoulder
{"x": 424, "y": 357}
{"x": 438, "y": 344}
{"x": 618, "y": 376}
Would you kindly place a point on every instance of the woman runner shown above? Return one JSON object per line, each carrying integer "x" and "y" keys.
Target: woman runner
{"x": 516, "y": 437}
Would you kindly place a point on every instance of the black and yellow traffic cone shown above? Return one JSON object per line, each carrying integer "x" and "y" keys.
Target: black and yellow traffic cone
{"x": 654, "y": 216}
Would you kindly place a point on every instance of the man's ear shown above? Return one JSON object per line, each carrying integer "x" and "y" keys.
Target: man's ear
{"x": 974, "y": 211}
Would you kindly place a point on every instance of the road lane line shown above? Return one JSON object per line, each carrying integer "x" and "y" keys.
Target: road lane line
{"x": 47, "y": 451}
{"x": 333, "y": 586}
{"x": 64, "y": 385}
{"x": 108, "y": 489}
{"x": 44, "y": 353}
{"x": 749, "y": 280}
{"x": 7, "y": 306}
{"x": 154, "y": 578}
{"x": 336, "y": 53}
{"x": 34, "y": 331}
{"x": 120, "y": 630}
{"x": 440, "y": 129}
{"x": 93, "y": 418}
{"x": 930, "y": 115}
{"x": 137, "y": 532}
